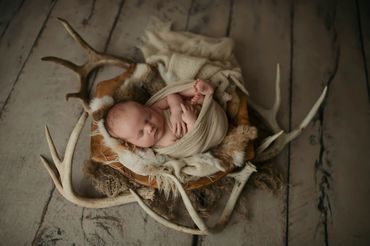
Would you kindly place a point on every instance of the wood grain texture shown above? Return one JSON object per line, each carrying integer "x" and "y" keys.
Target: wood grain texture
{"x": 347, "y": 125}
{"x": 37, "y": 99}
{"x": 315, "y": 42}
{"x": 17, "y": 42}
{"x": 210, "y": 18}
{"x": 363, "y": 17}
{"x": 314, "y": 62}
{"x": 328, "y": 193}
{"x": 136, "y": 16}
{"x": 261, "y": 32}
{"x": 9, "y": 9}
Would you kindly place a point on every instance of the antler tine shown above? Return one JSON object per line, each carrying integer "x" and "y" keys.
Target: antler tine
{"x": 188, "y": 205}
{"x": 276, "y": 105}
{"x": 53, "y": 175}
{"x": 164, "y": 221}
{"x": 89, "y": 50}
{"x": 95, "y": 59}
{"x": 53, "y": 151}
{"x": 296, "y": 132}
{"x": 94, "y": 55}
{"x": 62, "y": 62}
{"x": 82, "y": 94}
{"x": 268, "y": 141}
{"x": 269, "y": 115}
{"x": 309, "y": 116}
{"x": 241, "y": 179}
{"x": 276, "y": 147}
{"x": 70, "y": 148}
{"x": 112, "y": 60}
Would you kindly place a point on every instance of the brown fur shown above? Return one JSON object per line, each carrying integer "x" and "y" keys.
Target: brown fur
{"x": 105, "y": 179}
{"x": 236, "y": 140}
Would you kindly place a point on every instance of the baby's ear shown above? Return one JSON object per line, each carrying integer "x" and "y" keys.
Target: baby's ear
{"x": 113, "y": 135}
{"x": 109, "y": 130}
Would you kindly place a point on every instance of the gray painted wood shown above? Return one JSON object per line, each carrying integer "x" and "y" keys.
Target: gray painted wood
{"x": 258, "y": 49}
{"x": 8, "y": 10}
{"x": 135, "y": 17}
{"x": 347, "y": 131}
{"x": 314, "y": 61}
{"x": 18, "y": 40}
{"x": 210, "y": 18}
{"x": 363, "y": 16}
{"x": 37, "y": 99}
{"x": 328, "y": 165}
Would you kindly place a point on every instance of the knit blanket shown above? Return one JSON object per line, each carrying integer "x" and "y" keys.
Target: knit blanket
{"x": 209, "y": 130}
{"x": 184, "y": 55}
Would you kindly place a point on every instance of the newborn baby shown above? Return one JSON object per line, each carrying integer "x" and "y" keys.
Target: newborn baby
{"x": 145, "y": 126}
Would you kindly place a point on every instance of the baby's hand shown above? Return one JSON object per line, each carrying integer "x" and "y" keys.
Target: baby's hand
{"x": 178, "y": 125}
{"x": 189, "y": 116}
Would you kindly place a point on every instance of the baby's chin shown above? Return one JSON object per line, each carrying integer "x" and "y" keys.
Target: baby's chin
{"x": 160, "y": 133}
{"x": 147, "y": 145}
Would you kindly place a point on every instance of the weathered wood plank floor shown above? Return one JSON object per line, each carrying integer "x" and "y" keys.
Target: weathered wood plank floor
{"x": 316, "y": 42}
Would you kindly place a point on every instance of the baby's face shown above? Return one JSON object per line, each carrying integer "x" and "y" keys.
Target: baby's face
{"x": 139, "y": 125}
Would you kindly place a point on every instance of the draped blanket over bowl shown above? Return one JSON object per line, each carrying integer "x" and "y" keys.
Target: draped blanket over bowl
{"x": 180, "y": 58}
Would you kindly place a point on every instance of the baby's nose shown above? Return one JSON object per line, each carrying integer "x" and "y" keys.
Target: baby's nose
{"x": 149, "y": 127}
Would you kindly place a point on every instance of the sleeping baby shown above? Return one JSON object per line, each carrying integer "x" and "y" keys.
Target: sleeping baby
{"x": 169, "y": 122}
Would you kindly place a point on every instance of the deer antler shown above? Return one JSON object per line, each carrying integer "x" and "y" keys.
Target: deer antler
{"x": 279, "y": 139}
{"x": 62, "y": 173}
{"x": 240, "y": 178}
{"x": 62, "y": 176}
{"x": 95, "y": 59}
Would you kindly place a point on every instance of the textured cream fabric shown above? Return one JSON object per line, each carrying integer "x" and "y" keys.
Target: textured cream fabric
{"x": 183, "y": 55}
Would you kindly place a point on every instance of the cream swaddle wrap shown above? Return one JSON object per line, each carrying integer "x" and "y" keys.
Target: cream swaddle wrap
{"x": 210, "y": 127}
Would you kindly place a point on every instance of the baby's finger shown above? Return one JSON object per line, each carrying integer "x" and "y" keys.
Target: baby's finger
{"x": 173, "y": 128}
{"x": 178, "y": 130}
{"x": 183, "y": 107}
{"x": 184, "y": 130}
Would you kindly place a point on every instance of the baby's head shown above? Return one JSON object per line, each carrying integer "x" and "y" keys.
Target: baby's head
{"x": 135, "y": 123}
